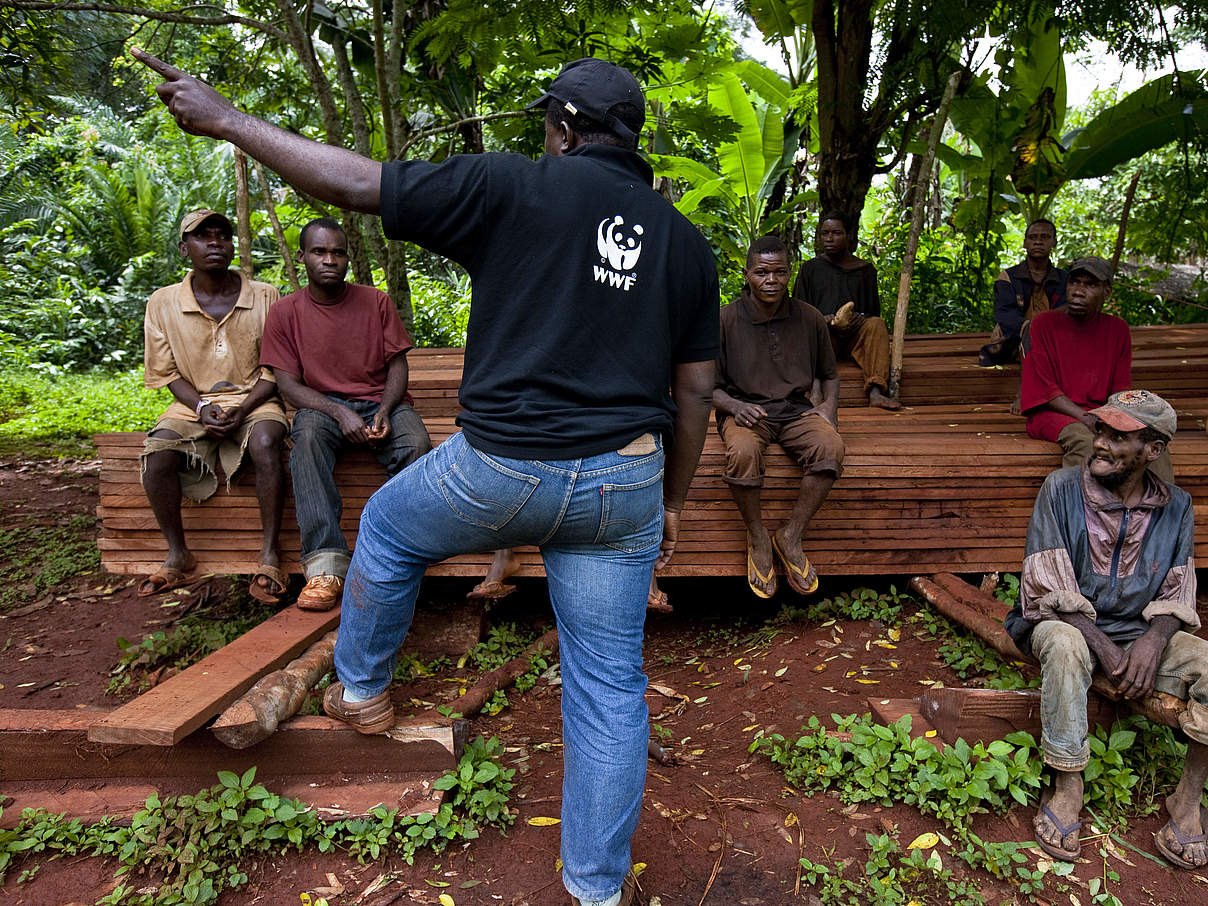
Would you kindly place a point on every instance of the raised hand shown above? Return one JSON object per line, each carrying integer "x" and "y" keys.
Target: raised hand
{"x": 198, "y": 108}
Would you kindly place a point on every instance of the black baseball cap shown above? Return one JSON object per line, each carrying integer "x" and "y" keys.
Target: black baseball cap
{"x": 591, "y": 87}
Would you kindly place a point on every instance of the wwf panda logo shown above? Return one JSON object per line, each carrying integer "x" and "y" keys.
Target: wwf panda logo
{"x": 619, "y": 246}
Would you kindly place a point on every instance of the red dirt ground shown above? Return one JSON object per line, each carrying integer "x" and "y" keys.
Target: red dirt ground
{"x": 718, "y": 828}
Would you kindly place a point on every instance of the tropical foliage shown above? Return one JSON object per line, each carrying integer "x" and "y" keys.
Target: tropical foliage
{"x": 94, "y": 176}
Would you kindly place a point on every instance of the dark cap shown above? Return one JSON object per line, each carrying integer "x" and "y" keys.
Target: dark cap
{"x": 194, "y": 219}
{"x": 591, "y": 87}
{"x": 1098, "y": 268}
{"x": 1133, "y": 410}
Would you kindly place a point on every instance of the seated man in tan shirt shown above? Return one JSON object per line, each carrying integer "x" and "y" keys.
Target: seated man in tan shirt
{"x": 203, "y": 343}
{"x": 773, "y": 349}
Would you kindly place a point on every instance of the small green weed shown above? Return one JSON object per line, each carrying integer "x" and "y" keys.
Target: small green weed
{"x": 1131, "y": 764}
{"x": 190, "y": 639}
{"x": 194, "y": 847}
{"x": 45, "y": 556}
{"x": 857, "y": 604}
{"x": 890, "y": 877}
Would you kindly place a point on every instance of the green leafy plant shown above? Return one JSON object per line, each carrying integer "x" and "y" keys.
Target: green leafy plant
{"x": 190, "y": 639}
{"x": 194, "y": 846}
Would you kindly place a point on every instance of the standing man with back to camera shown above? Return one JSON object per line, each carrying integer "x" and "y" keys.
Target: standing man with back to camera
{"x": 592, "y": 296}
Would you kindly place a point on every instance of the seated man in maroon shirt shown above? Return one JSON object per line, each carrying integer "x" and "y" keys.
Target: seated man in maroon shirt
{"x": 339, "y": 351}
{"x": 773, "y": 349}
{"x": 1077, "y": 357}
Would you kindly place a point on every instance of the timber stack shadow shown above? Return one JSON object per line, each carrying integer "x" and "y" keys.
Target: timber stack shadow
{"x": 944, "y": 485}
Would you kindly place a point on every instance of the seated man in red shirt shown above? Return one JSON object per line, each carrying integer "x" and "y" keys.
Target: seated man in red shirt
{"x": 339, "y": 351}
{"x": 773, "y": 350}
{"x": 1077, "y": 357}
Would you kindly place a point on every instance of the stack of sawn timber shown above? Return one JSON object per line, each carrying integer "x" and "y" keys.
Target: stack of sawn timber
{"x": 945, "y": 485}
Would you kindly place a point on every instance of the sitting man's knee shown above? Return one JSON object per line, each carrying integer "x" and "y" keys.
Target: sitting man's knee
{"x": 1060, "y": 645}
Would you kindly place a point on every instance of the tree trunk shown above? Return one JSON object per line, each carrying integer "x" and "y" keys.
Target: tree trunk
{"x": 254, "y": 716}
{"x": 1123, "y": 228}
{"x": 847, "y": 158}
{"x": 243, "y": 215}
{"x": 270, "y": 206}
{"x": 916, "y": 227}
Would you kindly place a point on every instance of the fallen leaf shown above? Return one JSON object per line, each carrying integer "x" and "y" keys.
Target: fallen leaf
{"x": 924, "y": 841}
{"x": 782, "y": 671}
{"x": 868, "y": 682}
{"x": 446, "y": 900}
{"x": 544, "y": 822}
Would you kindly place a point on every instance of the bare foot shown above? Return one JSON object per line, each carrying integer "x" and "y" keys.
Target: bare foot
{"x": 879, "y": 399}
{"x": 1016, "y": 406}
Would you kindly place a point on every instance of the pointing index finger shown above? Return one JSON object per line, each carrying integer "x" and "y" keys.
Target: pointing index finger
{"x": 165, "y": 70}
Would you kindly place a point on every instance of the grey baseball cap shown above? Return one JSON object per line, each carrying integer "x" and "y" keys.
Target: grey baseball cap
{"x": 1097, "y": 267}
{"x": 1132, "y": 410}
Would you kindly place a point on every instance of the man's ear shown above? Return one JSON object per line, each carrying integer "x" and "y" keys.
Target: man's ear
{"x": 1153, "y": 449}
{"x": 570, "y": 138}
{"x": 180, "y": 247}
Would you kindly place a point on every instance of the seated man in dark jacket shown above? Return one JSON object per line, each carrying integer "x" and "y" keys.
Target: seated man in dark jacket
{"x": 1024, "y": 291}
{"x": 1109, "y": 581}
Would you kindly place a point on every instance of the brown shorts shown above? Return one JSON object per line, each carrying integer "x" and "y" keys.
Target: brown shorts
{"x": 810, "y": 439}
{"x": 203, "y": 453}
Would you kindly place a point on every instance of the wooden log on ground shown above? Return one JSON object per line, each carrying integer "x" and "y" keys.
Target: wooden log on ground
{"x": 480, "y": 693}
{"x": 276, "y": 696}
{"x": 1160, "y": 707}
{"x": 175, "y": 708}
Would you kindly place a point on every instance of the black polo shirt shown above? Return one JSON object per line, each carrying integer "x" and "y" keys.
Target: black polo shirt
{"x": 588, "y": 287}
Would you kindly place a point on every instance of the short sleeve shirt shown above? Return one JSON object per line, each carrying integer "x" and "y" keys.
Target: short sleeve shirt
{"x": 773, "y": 361}
{"x": 220, "y": 359}
{"x": 1085, "y": 361}
{"x": 588, "y": 288}
{"x": 340, "y": 348}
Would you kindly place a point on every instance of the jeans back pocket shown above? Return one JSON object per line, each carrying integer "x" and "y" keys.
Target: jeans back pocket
{"x": 631, "y": 518}
{"x": 484, "y": 491}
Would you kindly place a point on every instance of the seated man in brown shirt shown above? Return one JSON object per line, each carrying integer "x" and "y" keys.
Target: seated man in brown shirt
{"x": 773, "y": 349}
{"x": 844, "y": 289}
{"x": 202, "y": 342}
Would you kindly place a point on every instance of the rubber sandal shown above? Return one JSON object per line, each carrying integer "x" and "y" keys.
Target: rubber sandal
{"x": 802, "y": 581}
{"x": 763, "y": 586}
{"x": 265, "y": 594}
{"x": 167, "y": 578}
{"x": 490, "y": 591}
{"x": 1175, "y": 859}
{"x": 1063, "y": 855}
{"x": 657, "y": 601}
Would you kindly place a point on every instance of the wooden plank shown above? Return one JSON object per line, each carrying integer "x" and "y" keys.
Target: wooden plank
{"x": 181, "y": 704}
{"x": 411, "y": 793}
{"x": 41, "y": 745}
{"x": 983, "y": 715}
{"x": 890, "y": 710}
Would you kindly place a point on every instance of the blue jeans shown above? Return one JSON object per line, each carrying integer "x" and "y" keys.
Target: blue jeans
{"x": 598, "y": 522}
{"x": 1067, "y": 666}
{"x": 317, "y": 445}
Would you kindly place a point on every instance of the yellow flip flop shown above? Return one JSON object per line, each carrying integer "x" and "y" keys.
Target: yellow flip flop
{"x": 766, "y": 586}
{"x": 795, "y": 574}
